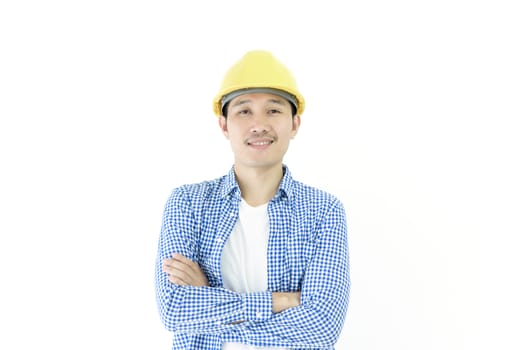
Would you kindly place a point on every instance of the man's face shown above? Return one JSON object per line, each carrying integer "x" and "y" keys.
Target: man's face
{"x": 259, "y": 127}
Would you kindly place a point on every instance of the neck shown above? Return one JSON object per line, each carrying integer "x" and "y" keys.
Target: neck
{"x": 258, "y": 185}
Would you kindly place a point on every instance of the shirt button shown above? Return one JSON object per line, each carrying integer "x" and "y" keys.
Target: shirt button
{"x": 231, "y": 214}
{"x": 259, "y": 314}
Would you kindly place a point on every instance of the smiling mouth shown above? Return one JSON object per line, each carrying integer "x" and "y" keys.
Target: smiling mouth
{"x": 260, "y": 143}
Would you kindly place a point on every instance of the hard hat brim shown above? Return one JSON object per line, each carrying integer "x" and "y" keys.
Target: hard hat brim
{"x": 293, "y": 97}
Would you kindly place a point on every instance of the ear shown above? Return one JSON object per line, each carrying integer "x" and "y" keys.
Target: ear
{"x": 296, "y": 125}
{"x": 222, "y": 123}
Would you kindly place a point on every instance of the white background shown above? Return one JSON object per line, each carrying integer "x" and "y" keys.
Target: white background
{"x": 413, "y": 119}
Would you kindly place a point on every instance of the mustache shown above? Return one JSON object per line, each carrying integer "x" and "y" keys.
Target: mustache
{"x": 258, "y": 136}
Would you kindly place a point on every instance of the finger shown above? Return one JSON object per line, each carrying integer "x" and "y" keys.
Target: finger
{"x": 180, "y": 271}
{"x": 177, "y": 281}
{"x": 195, "y": 268}
{"x": 169, "y": 268}
{"x": 170, "y": 264}
{"x": 181, "y": 258}
{"x": 192, "y": 267}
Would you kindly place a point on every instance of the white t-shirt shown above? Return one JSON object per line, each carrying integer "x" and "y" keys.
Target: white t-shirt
{"x": 244, "y": 258}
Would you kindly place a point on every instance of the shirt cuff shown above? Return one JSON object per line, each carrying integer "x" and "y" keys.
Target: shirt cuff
{"x": 257, "y": 306}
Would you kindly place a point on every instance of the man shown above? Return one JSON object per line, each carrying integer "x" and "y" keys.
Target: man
{"x": 254, "y": 259}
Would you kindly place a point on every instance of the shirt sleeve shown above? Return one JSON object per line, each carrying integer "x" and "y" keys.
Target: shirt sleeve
{"x": 318, "y": 321}
{"x": 198, "y": 310}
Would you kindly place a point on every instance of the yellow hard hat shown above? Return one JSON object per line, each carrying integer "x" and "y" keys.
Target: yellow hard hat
{"x": 258, "y": 71}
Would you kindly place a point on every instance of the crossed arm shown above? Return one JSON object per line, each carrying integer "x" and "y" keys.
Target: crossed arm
{"x": 311, "y": 318}
{"x": 185, "y": 272}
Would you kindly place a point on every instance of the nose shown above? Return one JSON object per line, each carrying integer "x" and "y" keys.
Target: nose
{"x": 259, "y": 124}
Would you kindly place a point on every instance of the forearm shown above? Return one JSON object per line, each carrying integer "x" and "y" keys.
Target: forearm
{"x": 315, "y": 323}
{"x": 182, "y": 282}
{"x": 207, "y": 310}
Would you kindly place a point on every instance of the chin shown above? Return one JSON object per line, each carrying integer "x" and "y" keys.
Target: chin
{"x": 260, "y": 164}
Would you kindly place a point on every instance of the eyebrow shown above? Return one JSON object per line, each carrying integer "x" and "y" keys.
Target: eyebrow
{"x": 242, "y": 102}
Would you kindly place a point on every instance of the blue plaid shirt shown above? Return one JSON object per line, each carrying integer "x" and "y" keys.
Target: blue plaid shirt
{"x": 307, "y": 252}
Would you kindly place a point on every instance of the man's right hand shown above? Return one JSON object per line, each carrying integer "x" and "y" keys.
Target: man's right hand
{"x": 184, "y": 272}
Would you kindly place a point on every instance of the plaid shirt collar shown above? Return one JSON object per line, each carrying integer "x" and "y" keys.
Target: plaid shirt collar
{"x": 285, "y": 189}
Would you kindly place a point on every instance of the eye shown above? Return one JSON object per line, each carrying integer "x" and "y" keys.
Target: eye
{"x": 274, "y": 111}
{"x": 243, "y": 112}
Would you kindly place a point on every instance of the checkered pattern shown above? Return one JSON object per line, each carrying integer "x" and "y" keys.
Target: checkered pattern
{"x": 307, "y": 252}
